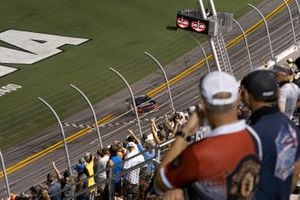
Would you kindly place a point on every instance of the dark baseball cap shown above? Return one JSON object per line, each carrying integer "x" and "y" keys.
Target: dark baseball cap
{"x": 79, "y": 167}
{"x": 67, "y": 173}
{"x": 262, "y": 85}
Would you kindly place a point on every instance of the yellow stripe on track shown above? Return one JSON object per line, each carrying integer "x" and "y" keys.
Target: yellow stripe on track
{"x": 52, "y": 148}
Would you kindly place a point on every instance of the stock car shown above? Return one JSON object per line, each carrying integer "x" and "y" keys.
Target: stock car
{"x": 144, "y": 104}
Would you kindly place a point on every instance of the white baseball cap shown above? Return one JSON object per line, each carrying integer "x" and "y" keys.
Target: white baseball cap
{"x": 131, "y": 144}
{"x": 217, "y": 82}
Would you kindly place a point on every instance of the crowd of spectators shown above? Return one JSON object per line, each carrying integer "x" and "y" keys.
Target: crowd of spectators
{"x": 225, "y": 164}
{"x": 92, "y": 170}
{"x": 241, "y": 141}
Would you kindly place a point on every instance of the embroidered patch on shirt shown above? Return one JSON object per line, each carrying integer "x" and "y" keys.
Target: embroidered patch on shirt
{"x": 286, "y": 145}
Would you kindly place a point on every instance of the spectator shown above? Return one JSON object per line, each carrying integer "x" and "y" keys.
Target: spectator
{"x": 54, "y": 187}
{"x": 115, "y": 162}
{"x": 12, "y": 196}
{"x": 131, "y": 138}
{"x": 89, "y": 159}
{"x": 39, "y": 193}
{"x": 121, "y": 150}
{"x": 132, "y": 178}
{"x": 171, "y": 125}
{"x": 147, "y": 150}
{"x": 82, "y": 182}
{"x": 100, "y": 166}
{"x": 82, "y": 161}
{"x": 159, "y": 136}
{"x": 289, "y": 92}
{"x": 222, "y": 155}
{"x": 66, "y": 181}
{"x": 147, "y": 171}
{"x": 169, "y": 122}
{"x": 291, "y": 63}
{"x": 179, "y": 119}
{"x": 297, "y": 63}
{"x": 297, "y": 82}
{"x": 279, "y": 136}
{"x": 23, "y": 196}
{"x": 297, "y": 77}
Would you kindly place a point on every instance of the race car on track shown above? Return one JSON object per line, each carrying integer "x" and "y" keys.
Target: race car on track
{"x": 144, "y": 104}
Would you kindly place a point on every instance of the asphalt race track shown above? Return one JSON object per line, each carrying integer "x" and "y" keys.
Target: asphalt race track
{"x": 185, "y": 93}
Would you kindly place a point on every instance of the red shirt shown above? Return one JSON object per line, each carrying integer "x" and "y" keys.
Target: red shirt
{"x": 211, "y": 159}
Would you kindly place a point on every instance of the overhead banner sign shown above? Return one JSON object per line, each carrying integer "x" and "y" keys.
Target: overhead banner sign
{"x": 191, "y": 20}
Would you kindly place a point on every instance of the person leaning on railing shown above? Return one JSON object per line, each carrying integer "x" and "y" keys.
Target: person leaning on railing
{"x": 90, "y": 159}
{"x": 132, "y": 178}
{"x": 82, "y": 182}
{"x": 100, "y": 166}
{"x": 148, "y": 151}
{"x": 115, "y": 163}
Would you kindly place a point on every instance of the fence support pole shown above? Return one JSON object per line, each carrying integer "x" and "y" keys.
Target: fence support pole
{"x": 291, "y": 19}
{"x": 202, "y": 49}
{"x": 298, "y": 6}
{"x": 246, "y": 42}
{"x": 62, "y": 133}
{"x": 110, "y": 185}
{"x": 5, "y": 175}
{"x": 202, "y": 9}
{"x": 93, "y": 112}
{"x": 213, "y": 8}
{"x": 132, "y": 98}
{"x": 267, "y": 28}
{"x": 166, "y": 79}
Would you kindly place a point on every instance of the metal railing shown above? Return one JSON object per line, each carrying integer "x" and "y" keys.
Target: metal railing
{"x": 140, "y": 174}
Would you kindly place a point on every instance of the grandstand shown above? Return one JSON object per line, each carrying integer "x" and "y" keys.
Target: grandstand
{"x": 183, "y": 73}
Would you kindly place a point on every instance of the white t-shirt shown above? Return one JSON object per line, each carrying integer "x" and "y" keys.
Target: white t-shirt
{"x": 101, "y": 166}
{"x": 288, "y": 96}
{"x": 133, "y": 176}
